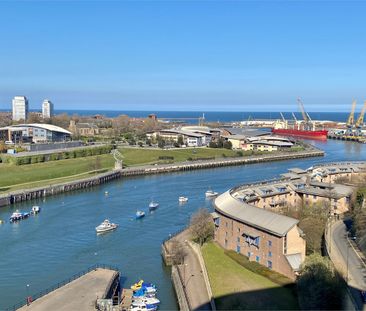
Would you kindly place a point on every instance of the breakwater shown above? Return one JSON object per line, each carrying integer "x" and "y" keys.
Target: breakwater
{"x": 40, "y": 192}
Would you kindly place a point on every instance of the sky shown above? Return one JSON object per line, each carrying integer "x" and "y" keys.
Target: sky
{"x": 184, "y": 55}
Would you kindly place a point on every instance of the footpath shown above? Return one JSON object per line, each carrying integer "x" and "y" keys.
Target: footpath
{"x": 192, "y": 275}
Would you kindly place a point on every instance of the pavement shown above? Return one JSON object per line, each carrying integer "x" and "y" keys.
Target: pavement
{"x": 193, "y": 280}
{"x": 347, "y": 258}
{"x": 79, "y": 294}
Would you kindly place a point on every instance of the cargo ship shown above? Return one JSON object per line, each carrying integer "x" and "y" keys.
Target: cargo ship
{"x": 305, "y": 128}
{"x": 309, "y": 134}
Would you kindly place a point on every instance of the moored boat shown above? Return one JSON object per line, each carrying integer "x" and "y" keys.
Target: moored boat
{"x": 106, "y": 226}
{"x": 18, "y": 216}
{"x": 210, "y": 193}
{"x": 153, "y": 205}
{"x": 35, "y": 210}
{"x": 182, "y": 199}
{"x": 139, "y": 214}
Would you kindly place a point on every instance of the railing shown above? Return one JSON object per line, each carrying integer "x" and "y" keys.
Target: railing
{"x": 60, "y": 284}
{"x": 172, "y": 235}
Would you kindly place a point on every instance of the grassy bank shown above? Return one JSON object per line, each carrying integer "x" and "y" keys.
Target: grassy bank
{"x": 33, "y": 175}
{"x": 138, "y": 156}
{"x": 236, "y": 288}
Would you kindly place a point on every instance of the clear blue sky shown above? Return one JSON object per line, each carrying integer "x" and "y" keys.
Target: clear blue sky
{"x": 184, "y": 55}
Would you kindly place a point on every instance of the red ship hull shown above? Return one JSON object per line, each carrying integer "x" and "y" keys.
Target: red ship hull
{"x": 321, "y": 135}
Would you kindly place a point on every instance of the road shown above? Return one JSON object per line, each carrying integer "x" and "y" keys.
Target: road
{"x": 344, "y": 254}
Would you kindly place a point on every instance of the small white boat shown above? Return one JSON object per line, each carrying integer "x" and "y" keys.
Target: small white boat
{"x": 153, "y": 205}
{"x": 182, "y": 199}
{"x": 106, "y": 226}
{"x": 106, "y": 193}
{"x": 211, "y": 194}
{"x": 142, "y": 306}
{"x": 35, "y": 210}
{"x": 140, "y": 214}
{"x": 18, "y": 216}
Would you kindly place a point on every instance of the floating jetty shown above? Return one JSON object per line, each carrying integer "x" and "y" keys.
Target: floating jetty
{"x": 35, "y": 193}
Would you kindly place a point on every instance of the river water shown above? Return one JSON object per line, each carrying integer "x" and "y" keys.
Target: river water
{"x": 61, "y": 241}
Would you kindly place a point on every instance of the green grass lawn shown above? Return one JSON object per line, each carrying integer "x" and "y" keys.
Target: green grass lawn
{"x": 136, "y": 156}
{"x": 236, "y": 288}
{"x": 33, "y": 175}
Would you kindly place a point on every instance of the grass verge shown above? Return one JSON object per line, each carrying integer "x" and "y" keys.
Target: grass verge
{"x": 14, "y": 177}
{"x": 237, "y": 288}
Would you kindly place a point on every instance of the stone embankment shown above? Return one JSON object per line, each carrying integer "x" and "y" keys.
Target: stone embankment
{"x": 40, "y": 192}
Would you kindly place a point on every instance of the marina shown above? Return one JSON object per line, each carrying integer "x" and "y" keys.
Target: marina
{"x": 52, "y": 246}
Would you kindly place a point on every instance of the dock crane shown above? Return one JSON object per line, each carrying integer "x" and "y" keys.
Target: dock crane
{"x": 359, "y": 122}
{"x": 305, "y": 115}
{"x": 351, "y": 119}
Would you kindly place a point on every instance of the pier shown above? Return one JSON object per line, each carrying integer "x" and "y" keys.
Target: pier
{"x": 40, "y": 192}
{"x": 78, "y": 293}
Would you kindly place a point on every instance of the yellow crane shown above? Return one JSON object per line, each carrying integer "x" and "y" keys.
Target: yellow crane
{"x": 359, "y": 121}
{"x": 351, "y": 117}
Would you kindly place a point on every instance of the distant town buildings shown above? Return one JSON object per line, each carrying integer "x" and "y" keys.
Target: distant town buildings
{"x": 47, "y": 109}
{"x": 35, "y": 133}
{"x": 84, "y": 128}
{"x": 20, "y": 108}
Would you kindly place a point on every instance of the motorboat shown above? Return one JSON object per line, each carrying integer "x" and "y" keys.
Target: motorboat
{"x": 140, "y": 214}
{"x": 142, "y": 306}
{"x": 148, "y": 300}
{"x": 153, "y": 205}
{"x": 211, "y": 194}
{"x": 18, "y": 216}
{"x": 137, "y": 285}
{"x": 182, "y": 199}
{"x": 106, "y": 226}
{"x": 35, "y": 210}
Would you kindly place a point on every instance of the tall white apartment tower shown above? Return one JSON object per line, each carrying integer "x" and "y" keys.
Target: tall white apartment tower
{"x": 20, "y": 108}
{"x": 47, "y": 109}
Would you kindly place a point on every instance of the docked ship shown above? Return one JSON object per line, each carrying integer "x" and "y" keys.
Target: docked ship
{"x": 305, "y": 128}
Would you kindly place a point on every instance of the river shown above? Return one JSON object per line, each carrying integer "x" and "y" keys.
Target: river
{"x": 50, "y": 247}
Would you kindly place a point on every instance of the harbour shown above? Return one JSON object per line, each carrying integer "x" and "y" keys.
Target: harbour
{"x": 61, "y": 240}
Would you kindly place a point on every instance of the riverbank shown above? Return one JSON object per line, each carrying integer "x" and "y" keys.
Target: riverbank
{"x": 12, "y": 197}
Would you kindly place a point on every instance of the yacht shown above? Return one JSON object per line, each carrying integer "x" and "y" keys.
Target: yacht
{"x": 182, "y": 199}
{"x": 153, "y": 205}
{"x": 106, "y": 226}
{"x": 140, "y": 214}
{"x": 211, "y": 194}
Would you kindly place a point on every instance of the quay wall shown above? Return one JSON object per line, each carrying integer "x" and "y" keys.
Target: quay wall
{"x": 179, "y": 290}
{"x": 40, "y": 192}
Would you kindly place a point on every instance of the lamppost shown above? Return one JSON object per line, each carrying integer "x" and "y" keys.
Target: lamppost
{"x": 28, "y": 295}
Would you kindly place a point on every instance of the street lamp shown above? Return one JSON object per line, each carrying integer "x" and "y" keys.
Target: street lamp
{"x": 27, "y": 294}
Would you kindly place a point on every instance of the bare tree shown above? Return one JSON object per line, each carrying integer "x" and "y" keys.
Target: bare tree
{"x": 202, "y": 226}
{"x": 178, "y": 252}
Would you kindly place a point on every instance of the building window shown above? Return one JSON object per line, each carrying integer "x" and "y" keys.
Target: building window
{"x": 225, "y": 243}
{"x": 257, "y": 258}
{"x": 285, "y": 245}
{"x": 238, "y": 248}
{"x": 269, "y": 243}
{"x": 269, "y": 254}
{"x": 226, "y": 224}
{"x": 269, "y": 264}
{"x": 249, "y": 253}
{"x": 238, "y": 239}
{"x": 239, "y": 230}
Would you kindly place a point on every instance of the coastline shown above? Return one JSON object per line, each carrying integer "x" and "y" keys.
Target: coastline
{"x": 40, "y": 192}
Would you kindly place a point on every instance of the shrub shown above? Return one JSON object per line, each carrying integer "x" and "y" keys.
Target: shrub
{"x": 239, "y": 153}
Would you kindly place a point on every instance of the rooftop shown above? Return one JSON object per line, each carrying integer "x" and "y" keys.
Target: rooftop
{"x": 48, "y": 127}
{"x": 257, "y": 217}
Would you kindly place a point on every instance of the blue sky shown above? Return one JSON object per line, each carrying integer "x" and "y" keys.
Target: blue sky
{"x": 184, "y": 55}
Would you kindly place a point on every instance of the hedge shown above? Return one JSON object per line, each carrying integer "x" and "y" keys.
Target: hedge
{"x": 78, "y": 153}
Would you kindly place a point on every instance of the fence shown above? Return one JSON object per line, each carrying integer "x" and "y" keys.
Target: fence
{"x": 60, "y": 284}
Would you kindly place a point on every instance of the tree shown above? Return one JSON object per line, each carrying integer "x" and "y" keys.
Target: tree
{"x": 97, "y": 164}
{"x": 178, "y": 252}
{"x": 227, "y": 144}
{"x": 180, "y": 140}
{"x": 320, "y": 285}
{"x": 202, "y": 226}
